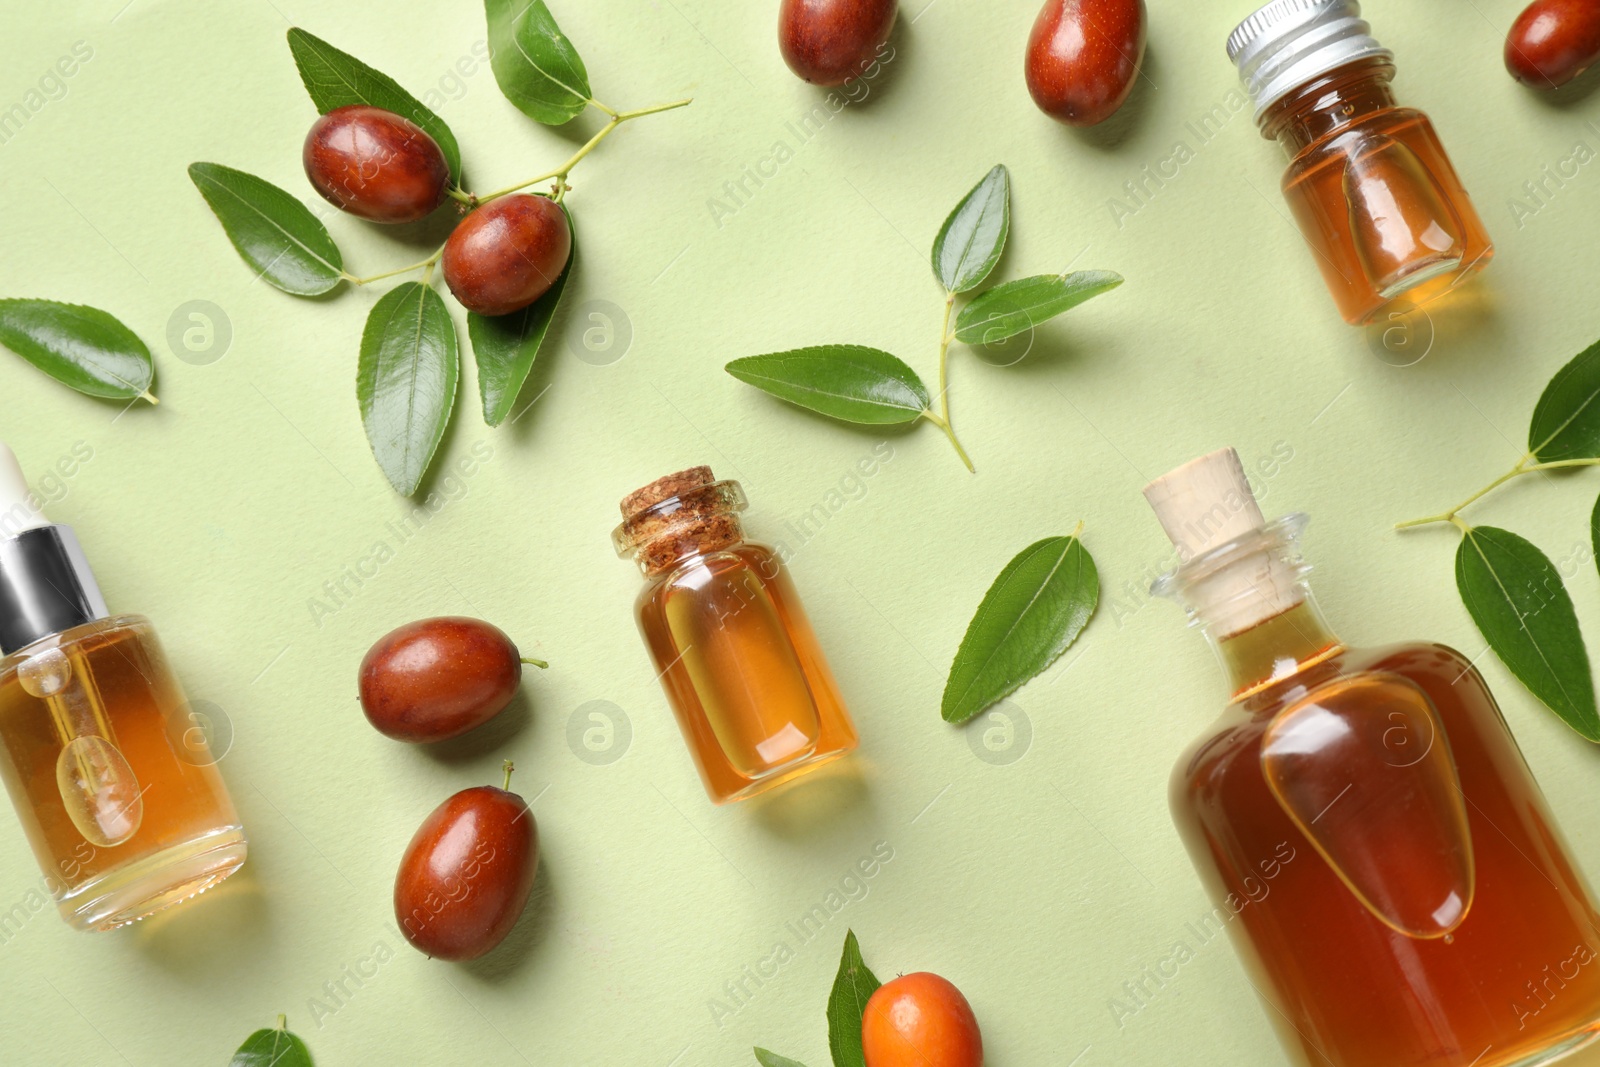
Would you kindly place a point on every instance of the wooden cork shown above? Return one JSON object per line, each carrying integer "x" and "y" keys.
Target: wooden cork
{"x": 677, "y": 515}
{"x": 665, "y": 487}
{"x": 1203, "y": 505}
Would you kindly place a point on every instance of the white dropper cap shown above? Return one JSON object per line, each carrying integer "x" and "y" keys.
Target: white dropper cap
{"x": 17, "y": 509}
{"x": 1205, "y": 504}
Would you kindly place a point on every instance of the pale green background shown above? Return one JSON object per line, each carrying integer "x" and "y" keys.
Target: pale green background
{"x": 1039, "y": 886}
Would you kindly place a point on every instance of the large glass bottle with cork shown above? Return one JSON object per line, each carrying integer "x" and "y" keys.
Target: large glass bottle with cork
{"x": 1391, "y": 876}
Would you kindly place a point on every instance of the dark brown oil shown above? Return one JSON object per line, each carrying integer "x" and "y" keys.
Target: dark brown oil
{"x": 1514, "y": 981}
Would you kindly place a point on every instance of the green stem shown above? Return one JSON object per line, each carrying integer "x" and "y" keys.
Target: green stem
{"x": 506, "y": 785}
{"x": 655, "y": 109}
{"x": 541, "y": 664}
{"x": 283, "y": 1022}
{"x": 942, "y": 419}
{"x": 460, "y": 195}
{"x": 1522, "y": 467}
{"x": 944, "y": 424}
{"x": 561, "y": 172}
{"x": 369, "y": 279}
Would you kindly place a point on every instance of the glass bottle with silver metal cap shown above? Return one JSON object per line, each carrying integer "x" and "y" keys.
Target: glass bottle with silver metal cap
{"x": 107, "y": 764}
{"x": 1368, "y": 182}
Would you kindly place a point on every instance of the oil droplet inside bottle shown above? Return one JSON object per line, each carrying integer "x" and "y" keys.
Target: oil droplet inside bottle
{"x": 1363, "y": 768}
{"x": 99, "y": 791}
{"x": 45, "y": 674}
{"x": 1404, "y": 233}
{"x": 744, "y": 667}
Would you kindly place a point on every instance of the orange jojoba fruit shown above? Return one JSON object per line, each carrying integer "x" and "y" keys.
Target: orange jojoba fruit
{"x": 920, "y": 1020}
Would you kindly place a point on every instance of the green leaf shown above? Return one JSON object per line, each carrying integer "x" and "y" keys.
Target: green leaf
{"x": 852, "y": 383}
{"x": 1594, "y": 532}
{"x": 272, "y": 1048}
{"x": 505, "y": 345}
{"x": 971, "y": 240}
{"x": 274, "y": 233}
{"x": 1566, "y": 421}
{"x": 1514, "y": 594}
{"x": 406, "y": 380}
{"x": 1036, "y": 608}
{"x": 847, "y": 1003}
{"x": 772, "y": 1059}
{"x": 81, "y": 347}
{"x": 337, "y": 79}
{"x": 535, "y": 64}
{"x": 1017, "y": 307}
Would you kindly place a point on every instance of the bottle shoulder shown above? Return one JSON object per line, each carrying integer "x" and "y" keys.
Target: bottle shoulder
{"x": 103, "y": 631}
{"x": 1402, "y": 123}
{"x": 1234, "y": 737}
{"x": 693, "y": 571}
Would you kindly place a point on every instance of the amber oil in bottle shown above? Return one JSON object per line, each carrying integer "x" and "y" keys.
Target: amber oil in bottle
{"x": 107, "y": 764}
{"x": 744, "y": 674}
{"x": 1375, "y": 197}
{"x": 1377, "y": 848}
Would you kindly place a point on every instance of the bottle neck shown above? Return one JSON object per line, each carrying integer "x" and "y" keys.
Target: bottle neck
{"x": 1276, "y": 649}
{"x": 46, "y": 586}
{"x": 1251, "y": 599}
{"x": 1329, "y": 103}
{"x": 695, "y": 516}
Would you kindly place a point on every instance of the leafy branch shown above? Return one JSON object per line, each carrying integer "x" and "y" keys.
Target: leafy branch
{"x": 1513, "y": 592}
{"x": 409, "y": 351}
{"x": 871, "y": 387}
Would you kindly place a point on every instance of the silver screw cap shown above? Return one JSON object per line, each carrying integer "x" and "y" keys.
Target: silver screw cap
{"x": 1289, "y": 42}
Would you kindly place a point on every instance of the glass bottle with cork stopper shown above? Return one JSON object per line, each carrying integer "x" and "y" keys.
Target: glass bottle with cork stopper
{"x": 1364, "y": 822}
{"x": 736, "y": 655}
{"x": 1368, "y": 182}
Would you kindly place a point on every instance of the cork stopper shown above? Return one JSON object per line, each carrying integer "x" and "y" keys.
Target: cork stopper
{"x": 665, "y": 487}
{"x": 1206, "y": 505}
{"x": 684, "y": 513}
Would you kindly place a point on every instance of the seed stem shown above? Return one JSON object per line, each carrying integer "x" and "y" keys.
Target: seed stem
{"x": 541, "y": 664}
{"x": 506, "y": 785}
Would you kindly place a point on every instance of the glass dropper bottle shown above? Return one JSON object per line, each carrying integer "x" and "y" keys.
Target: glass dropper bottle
{"x": 110, "y": 775}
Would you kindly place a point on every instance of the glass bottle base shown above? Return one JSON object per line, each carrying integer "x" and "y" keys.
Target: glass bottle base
{"x": 1553, "y": 1053}
{"x": 157, "y": 882}
{"x": 783, "y": 775}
